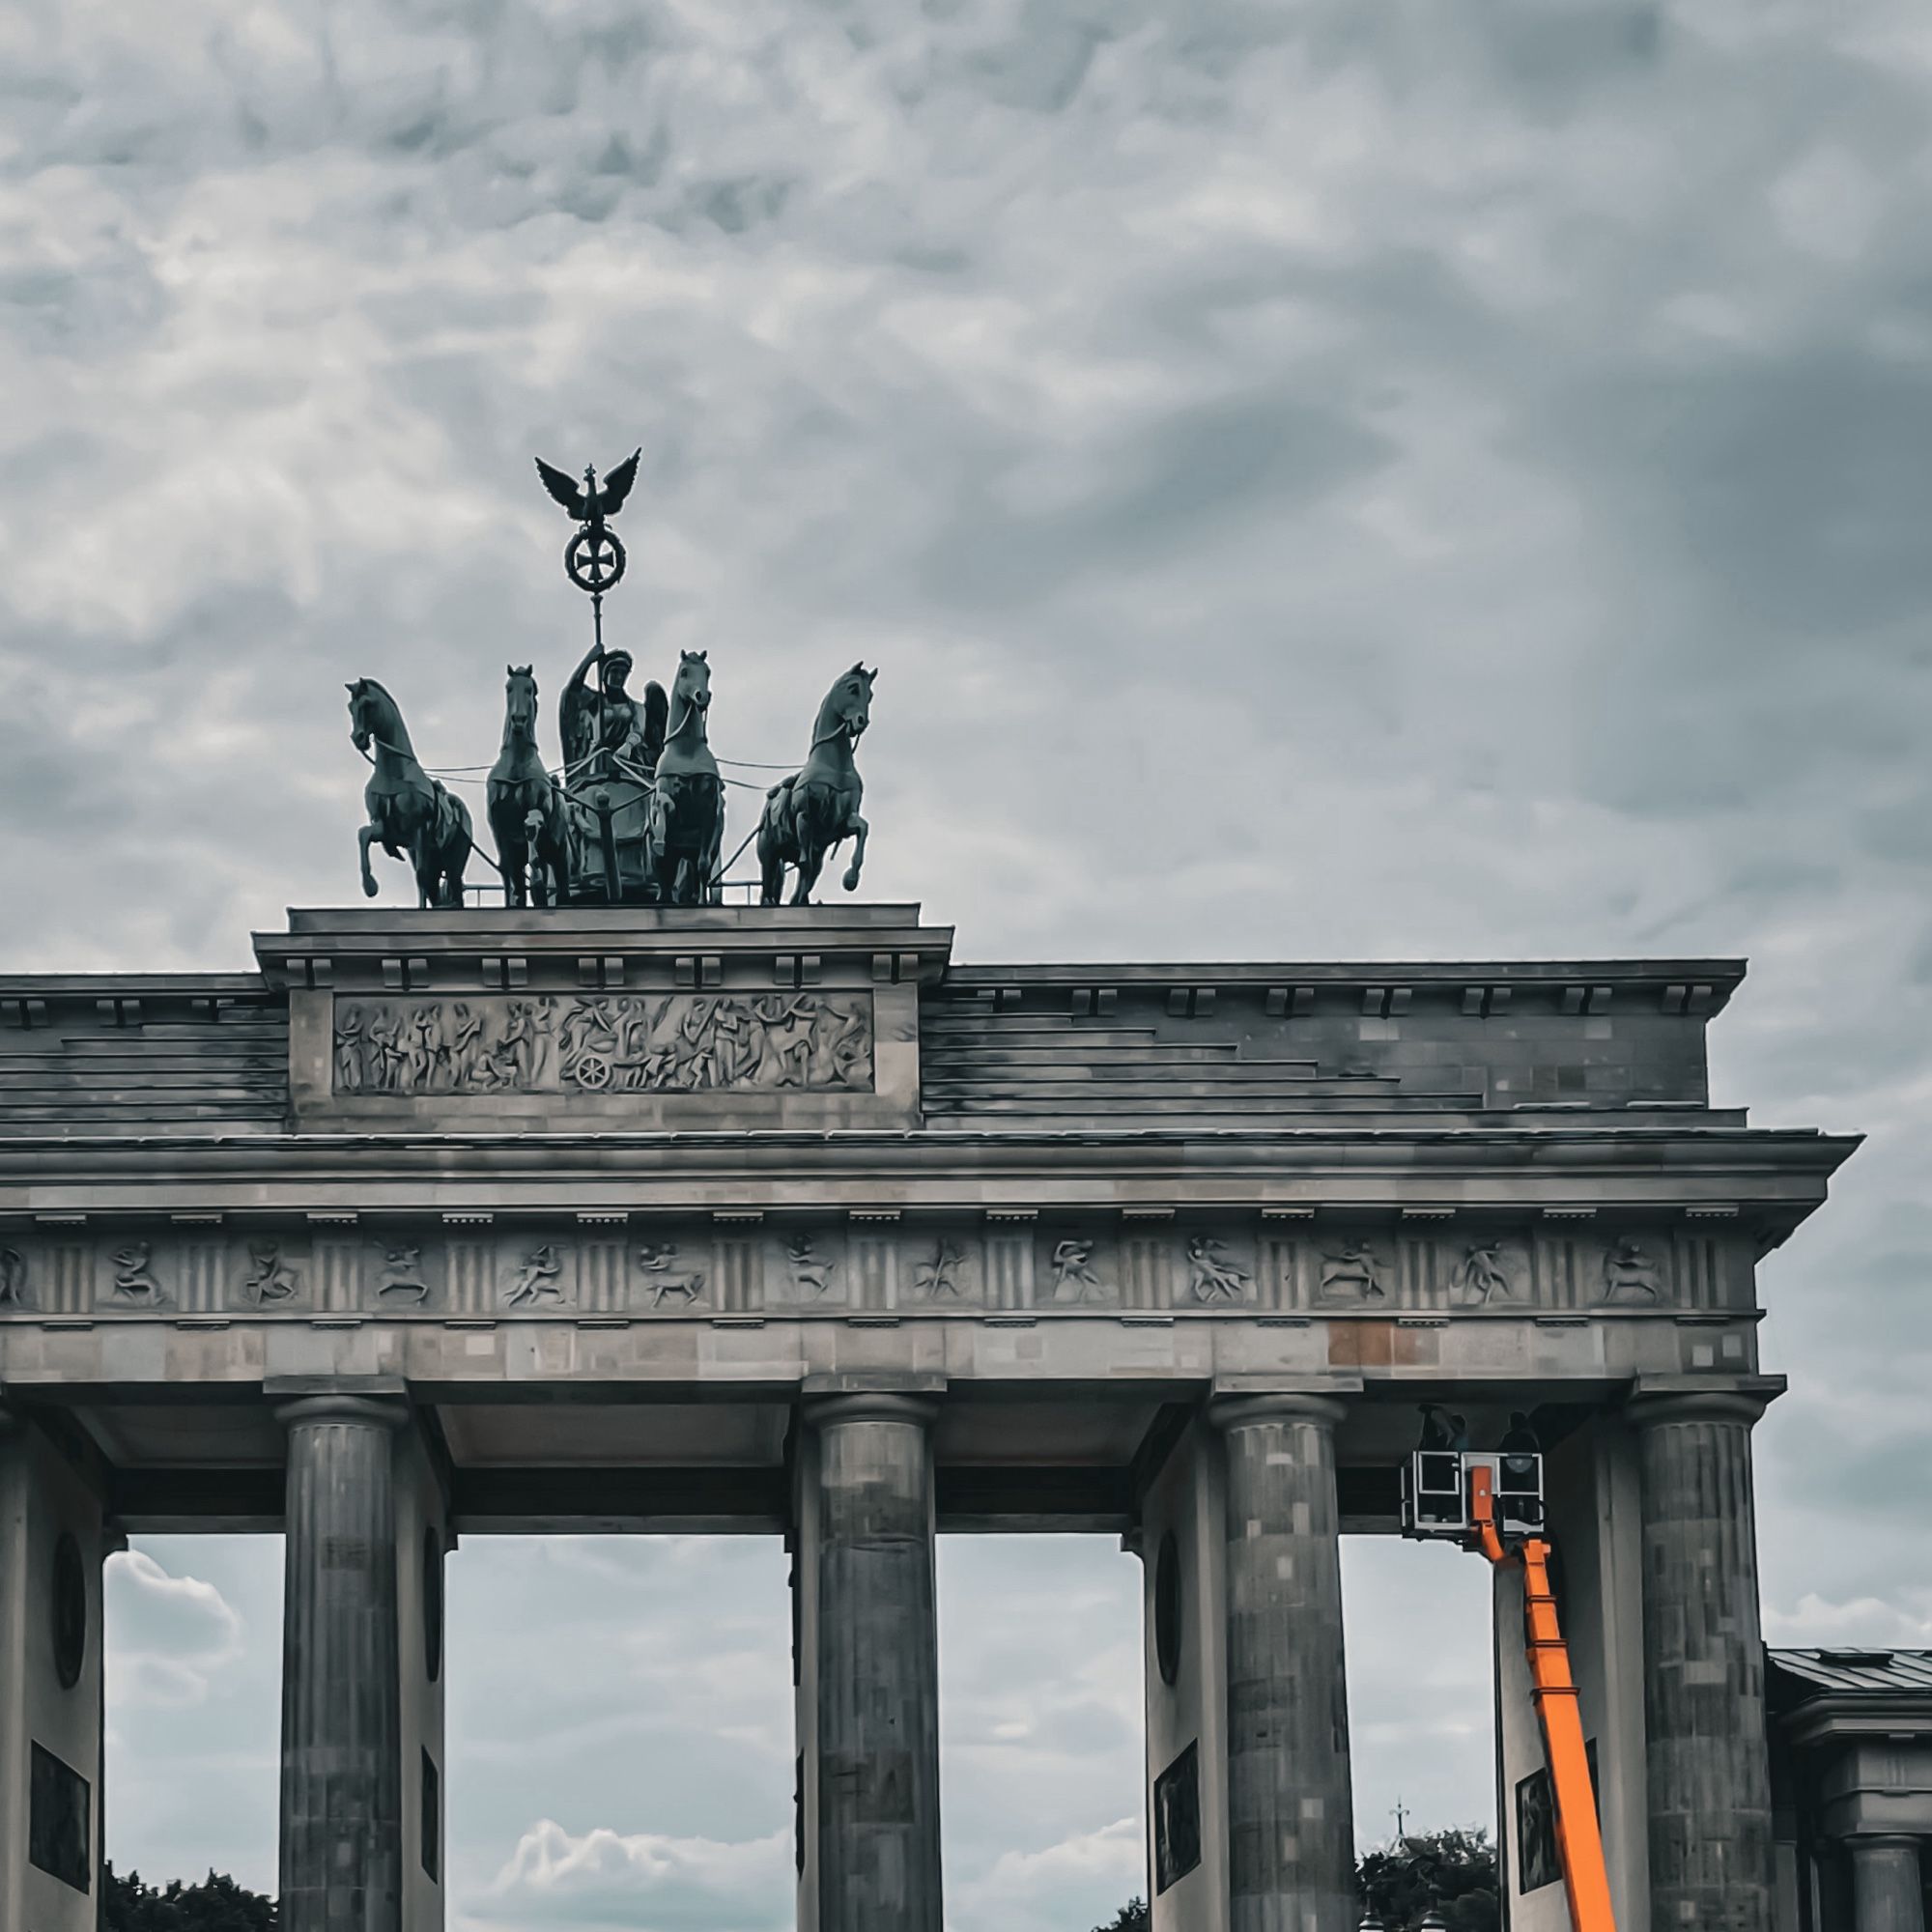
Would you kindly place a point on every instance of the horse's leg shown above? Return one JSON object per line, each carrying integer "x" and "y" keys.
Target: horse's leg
{"x": 711, "y": 882}
{"x": 771, "y": 867}
{"x": 454, "y": 855}
{"x": 810, "y": 863}
{"x": 367, "y": 837}
{"x": 860, "y": 828}
{"x": 540, "y": 832}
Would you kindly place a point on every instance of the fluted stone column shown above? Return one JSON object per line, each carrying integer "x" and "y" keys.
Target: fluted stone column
{"x": 877, "y": 1855}
{"x": 342, "y": 1806}
{"x": 1888, "y": 1894}
{"x": 1291, "y": 1825}
{"x": 1706, "y": 1759}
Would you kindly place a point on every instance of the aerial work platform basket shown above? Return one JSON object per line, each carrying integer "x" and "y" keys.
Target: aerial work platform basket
{"x": 1491, "y": 1502}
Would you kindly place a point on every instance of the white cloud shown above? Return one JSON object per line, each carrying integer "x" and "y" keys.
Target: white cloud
{"x": 1065, "y": 1885}
{"x": 642, "y": 1882}
{"x": 1820, "y": 1622}
{"x": 171, "y": 1635}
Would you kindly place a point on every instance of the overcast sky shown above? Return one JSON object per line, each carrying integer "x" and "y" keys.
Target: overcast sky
{"x": 1320, "y": 479}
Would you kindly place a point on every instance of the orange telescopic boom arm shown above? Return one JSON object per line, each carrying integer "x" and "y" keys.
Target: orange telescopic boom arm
{"x": 1579, "y": 1842}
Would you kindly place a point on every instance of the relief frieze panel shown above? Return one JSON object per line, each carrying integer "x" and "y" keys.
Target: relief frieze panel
{"x": 667, "y": 1266}
{"x": 403, "y": 1047}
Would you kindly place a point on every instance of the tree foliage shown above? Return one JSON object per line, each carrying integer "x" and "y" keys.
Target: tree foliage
{"x": 1454, "y": 1871}
{"x": 217, "y": 1904}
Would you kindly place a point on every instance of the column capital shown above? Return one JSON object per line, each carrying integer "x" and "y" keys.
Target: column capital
{"x": 1657, "y": 1400}
{"x": 1253, "y": 1408}
{"x": 829, "y": 1411}
{"x": 371, "y": 1412}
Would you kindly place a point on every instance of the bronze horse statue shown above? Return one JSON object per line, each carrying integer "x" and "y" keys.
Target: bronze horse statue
{"x": 685, "y": 828}
{"x": 526, "y": 809}
{"x": 807, "y": 815}
{"x": 410, "y": 813}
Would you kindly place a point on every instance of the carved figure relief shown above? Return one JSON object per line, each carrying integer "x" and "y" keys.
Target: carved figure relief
{"x": 1352, "y": 1273}
{"x": 269, "y": 1278}
{"x": 1073, "y": 1275}
{"x": 811, "y": 1272}
{"x": 940, "y": 1276}
{"x": 537, "y": 1280}
{"x": 673, "y": 1043}
{"x": 350, "y": 1049}
{"x": 657, "y": 1259}
{"x": 1211, "y": 1275}
{"x": 1631, "y": 1275}
{"x": 134, "y": 1276}
{"x": 13, "y": 1278}
{"x": 403, "y": 1271}
{"x": 1481, "y": 1277}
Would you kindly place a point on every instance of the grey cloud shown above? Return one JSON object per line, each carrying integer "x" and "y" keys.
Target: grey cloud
{"x": 1192, "y": 473}
{"x": 1322, "y": 480}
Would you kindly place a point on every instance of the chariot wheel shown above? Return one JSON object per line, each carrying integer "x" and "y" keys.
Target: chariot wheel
{"x": 594, "y": 560}
{"x": 593, "y": 1072}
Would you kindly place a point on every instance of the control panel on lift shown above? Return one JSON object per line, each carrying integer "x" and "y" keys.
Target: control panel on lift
{"x": 1436, "y": 1494}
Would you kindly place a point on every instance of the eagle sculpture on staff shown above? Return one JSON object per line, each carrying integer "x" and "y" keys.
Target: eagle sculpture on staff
{"x": 584, "y": 501}
{"x": 595, "y": 557}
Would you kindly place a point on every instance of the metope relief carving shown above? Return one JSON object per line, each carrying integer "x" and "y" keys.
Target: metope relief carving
{"x": 1211, "y": 1274}
{"x": 538, "y": 1278}
{"x": 1483, "y": 1275}
{"x": 1353, "y": 1272}
{"x": 1075, "y": 1278}
{"x": 1632, "y": 1278}
{"x": 269, "y": 1278}
{"x": 13, "y": 1278}
{"x": 811, "y": 1272}
{"x": 401, "y": 1272}
{"x": 936, "y": 1274}
{"x": 668, "y": 1043}
{"x": 134, "y": 1275}
{"x": 663, "y": 1276}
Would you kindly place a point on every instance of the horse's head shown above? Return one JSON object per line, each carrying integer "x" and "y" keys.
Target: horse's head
{"x": 363, "y": 715}
{"x": 693, "y": 684}
{"x": 848, "y": 705}
{"x": 520, "y": 700}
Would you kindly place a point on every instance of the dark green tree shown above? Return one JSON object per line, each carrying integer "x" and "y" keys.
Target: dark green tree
{"x": 1454, "y": 1871}
{"x": 217, "y": 1904}
{"x": 1132, "y": 1917}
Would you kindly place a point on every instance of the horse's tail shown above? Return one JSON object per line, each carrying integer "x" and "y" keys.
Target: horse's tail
{"x": 777, "y": 811}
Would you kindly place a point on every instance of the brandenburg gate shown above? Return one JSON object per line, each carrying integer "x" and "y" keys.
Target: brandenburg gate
{"x": 776, "y": 1220}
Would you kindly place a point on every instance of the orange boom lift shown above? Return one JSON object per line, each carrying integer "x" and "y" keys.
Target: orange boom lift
{"x": 1494, "y": 1504}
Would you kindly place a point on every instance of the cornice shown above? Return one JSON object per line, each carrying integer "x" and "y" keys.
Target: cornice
{"x": 1759, "y": 1164}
